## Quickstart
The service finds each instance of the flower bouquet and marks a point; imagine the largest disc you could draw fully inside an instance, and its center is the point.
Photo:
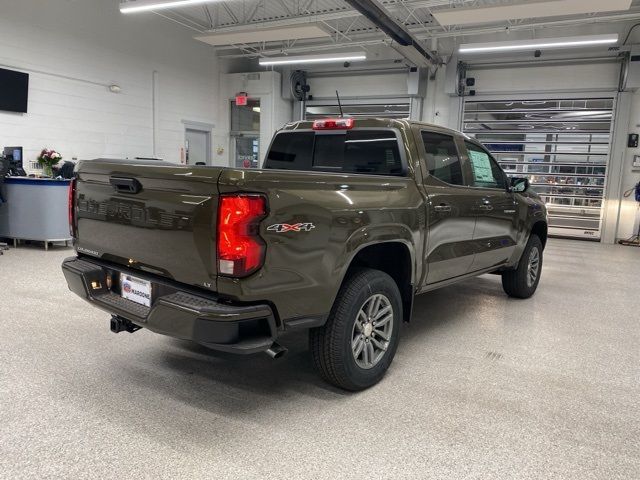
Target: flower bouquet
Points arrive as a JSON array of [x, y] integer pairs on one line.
[[47, 159]]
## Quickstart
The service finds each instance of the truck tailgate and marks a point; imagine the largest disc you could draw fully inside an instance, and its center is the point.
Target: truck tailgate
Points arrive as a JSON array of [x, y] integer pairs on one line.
[[159, 219]]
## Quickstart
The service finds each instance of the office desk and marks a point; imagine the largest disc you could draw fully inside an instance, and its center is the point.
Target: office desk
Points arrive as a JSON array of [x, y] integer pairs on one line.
[[35, 209]]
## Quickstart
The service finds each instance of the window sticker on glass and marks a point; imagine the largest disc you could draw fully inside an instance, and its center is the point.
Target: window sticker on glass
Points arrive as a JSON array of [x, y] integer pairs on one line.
[[481, 167]]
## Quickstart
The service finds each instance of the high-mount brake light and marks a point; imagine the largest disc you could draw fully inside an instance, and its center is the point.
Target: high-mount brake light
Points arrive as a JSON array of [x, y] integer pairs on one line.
[[333, 124], [240, 248], [71, 207]]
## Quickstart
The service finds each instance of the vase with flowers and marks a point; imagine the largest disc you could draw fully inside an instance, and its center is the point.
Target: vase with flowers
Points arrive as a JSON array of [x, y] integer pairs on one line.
[[47, 159]]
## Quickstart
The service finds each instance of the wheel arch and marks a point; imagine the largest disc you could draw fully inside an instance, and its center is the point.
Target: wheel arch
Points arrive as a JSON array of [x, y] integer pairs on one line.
[[541, 229], [396, 259]]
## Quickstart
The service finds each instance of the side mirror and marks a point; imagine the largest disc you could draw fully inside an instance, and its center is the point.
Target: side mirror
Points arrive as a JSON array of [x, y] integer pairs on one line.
[[519, 184]]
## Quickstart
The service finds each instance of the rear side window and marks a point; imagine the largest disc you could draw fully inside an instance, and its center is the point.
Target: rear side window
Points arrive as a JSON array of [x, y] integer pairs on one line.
[[441, 155], [486, 172], [373, 152]]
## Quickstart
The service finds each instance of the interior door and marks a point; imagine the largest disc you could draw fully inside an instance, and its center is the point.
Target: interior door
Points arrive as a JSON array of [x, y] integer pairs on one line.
[[197, 143], [495, 207], [451, 220]]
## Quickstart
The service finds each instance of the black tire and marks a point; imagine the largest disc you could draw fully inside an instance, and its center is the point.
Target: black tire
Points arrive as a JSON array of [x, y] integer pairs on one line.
[[331, 345], [518, 283]]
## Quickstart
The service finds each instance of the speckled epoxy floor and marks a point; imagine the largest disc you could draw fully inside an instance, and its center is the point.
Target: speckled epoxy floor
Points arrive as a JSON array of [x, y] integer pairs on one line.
[[482, 387]]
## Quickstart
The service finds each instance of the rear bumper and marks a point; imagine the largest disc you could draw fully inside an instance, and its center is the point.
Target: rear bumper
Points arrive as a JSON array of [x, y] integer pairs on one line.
[[175, 311]]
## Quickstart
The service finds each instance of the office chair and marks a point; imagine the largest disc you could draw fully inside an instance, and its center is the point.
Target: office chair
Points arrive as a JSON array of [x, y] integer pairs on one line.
[[66, 171]]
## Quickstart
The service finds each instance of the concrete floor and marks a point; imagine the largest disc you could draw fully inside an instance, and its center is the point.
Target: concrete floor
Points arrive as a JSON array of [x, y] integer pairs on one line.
[[482, 387]]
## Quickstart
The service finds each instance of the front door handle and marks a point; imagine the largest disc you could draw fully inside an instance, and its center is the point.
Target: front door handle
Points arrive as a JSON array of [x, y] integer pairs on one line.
[[443, 207], [485, 205]]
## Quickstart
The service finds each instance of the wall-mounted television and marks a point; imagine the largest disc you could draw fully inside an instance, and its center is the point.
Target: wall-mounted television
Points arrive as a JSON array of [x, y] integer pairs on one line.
[[14, 91]]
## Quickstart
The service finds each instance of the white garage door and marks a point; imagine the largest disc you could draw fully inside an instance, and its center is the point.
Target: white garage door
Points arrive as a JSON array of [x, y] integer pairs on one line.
[[561, 145], [383, 108]]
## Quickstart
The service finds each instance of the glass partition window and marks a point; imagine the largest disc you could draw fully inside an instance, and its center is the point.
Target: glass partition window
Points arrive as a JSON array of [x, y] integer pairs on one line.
[[245, 118], [247, 151], [245, 134]]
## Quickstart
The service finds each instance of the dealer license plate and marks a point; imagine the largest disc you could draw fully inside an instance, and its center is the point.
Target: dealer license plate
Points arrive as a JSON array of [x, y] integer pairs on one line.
[[136, 289]]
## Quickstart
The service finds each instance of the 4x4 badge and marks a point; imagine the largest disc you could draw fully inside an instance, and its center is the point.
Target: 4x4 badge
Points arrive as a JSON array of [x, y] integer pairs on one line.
[[296, 227]]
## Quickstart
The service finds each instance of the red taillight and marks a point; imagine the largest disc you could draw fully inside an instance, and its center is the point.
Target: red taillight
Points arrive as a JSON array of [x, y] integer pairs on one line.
[[333, 124], [240, 248], [71, 206]]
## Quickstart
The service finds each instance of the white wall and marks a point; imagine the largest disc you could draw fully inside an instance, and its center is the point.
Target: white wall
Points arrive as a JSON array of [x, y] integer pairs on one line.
[[629, 211], [73, 50], [440, 108]]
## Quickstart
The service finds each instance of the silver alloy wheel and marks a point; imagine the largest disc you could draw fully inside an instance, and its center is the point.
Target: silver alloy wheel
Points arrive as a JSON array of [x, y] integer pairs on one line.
[[533, 268], [372, 330]]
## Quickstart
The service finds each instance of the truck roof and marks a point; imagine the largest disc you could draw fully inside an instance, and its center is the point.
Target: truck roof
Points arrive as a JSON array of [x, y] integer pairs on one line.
[[378, 122]]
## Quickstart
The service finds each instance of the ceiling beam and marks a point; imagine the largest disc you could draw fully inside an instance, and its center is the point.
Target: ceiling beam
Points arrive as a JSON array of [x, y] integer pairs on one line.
[[405, 43]]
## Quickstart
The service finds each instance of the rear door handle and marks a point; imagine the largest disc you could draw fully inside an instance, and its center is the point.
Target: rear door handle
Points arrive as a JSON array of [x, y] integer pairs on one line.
[[125, 185], [485, 207], [443, 207]]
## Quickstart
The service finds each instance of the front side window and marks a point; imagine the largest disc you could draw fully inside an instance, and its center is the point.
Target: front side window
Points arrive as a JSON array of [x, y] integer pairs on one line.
[[441, 156], [486, 172]]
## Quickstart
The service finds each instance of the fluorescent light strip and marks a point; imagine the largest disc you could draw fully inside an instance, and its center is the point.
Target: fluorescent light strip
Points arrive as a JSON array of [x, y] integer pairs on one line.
[[141, 6], [540, 44], [309, 59]]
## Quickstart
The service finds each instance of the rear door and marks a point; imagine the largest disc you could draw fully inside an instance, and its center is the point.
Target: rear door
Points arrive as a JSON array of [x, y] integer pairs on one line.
[[451, 220], [495, 207]]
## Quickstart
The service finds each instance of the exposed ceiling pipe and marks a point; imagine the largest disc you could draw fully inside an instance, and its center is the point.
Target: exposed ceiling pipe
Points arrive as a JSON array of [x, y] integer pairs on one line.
[[407, 44]]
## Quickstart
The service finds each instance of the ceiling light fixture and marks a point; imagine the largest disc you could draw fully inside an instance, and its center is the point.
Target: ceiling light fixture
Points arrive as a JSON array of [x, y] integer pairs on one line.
[[326, 58], [539, 44], [147, 5]]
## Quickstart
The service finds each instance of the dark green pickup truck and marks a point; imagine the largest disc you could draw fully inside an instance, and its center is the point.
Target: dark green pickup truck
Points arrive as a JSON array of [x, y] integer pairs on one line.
[[345, 224]]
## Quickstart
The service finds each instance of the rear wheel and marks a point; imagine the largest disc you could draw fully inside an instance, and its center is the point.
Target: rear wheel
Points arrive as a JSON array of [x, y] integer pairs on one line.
[[354, 349], [523, 281]]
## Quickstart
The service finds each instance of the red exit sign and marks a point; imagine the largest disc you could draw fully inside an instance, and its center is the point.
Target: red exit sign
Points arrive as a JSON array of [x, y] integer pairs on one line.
[[241, 99]]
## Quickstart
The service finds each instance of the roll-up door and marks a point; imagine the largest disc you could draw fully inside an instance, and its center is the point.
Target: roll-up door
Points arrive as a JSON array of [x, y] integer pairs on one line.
[[381, 108], [561, 145]]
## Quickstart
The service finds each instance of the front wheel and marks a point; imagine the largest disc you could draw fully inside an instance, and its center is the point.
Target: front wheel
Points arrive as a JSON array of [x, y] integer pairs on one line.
[[523, 281], [354, 349]]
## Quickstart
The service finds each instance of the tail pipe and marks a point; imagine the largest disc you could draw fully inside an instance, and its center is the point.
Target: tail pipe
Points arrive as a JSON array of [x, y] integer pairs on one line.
[[276, 350]]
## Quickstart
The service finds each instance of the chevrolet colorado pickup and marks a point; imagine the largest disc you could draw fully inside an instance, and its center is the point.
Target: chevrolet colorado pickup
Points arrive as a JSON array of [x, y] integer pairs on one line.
[[346, 222]]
